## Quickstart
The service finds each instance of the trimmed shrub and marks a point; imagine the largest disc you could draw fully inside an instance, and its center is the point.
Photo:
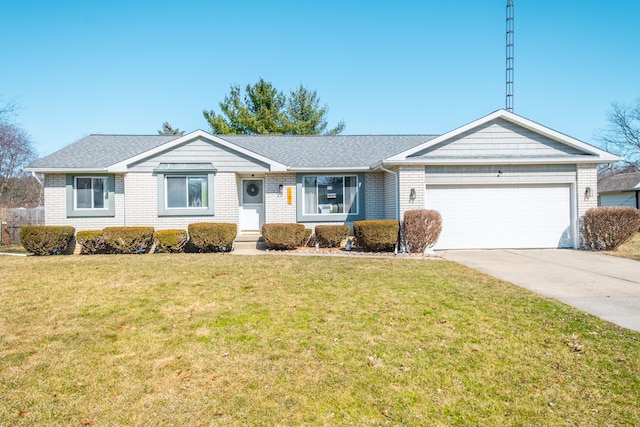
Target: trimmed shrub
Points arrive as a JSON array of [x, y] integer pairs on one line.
[[285, 236], [91, 242], [170, 241], [128, 240], [376, 235], [331, 235], [608, 227], [46, 240], [421, 229], [212, 236]]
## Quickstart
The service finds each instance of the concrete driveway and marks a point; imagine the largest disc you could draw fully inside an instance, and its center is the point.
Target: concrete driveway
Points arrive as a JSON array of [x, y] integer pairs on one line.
[[603, 285]]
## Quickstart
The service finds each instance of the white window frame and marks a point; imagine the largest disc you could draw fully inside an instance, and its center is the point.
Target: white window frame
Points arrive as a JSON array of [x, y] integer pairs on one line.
[[187, 177], [105, 193]]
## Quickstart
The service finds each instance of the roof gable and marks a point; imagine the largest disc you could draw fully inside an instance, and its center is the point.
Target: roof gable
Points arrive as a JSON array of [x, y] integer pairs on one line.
[[199, 134], [503, 136]]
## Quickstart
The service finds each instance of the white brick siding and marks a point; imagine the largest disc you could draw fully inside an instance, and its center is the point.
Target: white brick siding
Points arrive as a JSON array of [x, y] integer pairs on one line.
[[374, 195], [411, 177], [277, 210], [55, 213], [586, 176]]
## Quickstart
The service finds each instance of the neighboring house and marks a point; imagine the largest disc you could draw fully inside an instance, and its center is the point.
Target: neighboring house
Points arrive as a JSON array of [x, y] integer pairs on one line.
[[622, 189], [499, 182]]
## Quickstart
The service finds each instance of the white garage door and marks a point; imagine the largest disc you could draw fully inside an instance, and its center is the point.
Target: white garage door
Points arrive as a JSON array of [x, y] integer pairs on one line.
[[509, 216]]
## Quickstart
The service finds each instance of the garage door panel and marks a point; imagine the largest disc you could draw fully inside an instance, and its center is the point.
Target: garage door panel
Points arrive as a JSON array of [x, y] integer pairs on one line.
[[502, 216]]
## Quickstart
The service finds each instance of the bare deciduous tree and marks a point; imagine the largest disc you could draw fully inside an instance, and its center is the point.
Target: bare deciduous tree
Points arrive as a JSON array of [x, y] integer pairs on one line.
[[622, 137], [16, 152]]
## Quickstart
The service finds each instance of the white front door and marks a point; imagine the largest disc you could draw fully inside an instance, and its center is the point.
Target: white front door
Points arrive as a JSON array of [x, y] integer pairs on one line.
[[252, 205]]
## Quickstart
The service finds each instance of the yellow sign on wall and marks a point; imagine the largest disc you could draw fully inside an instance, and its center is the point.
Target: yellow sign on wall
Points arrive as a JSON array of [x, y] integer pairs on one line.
[[289, 195]]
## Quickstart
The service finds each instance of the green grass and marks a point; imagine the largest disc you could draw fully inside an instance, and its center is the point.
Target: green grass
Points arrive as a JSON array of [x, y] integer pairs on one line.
[[630, 249], [202, 339]]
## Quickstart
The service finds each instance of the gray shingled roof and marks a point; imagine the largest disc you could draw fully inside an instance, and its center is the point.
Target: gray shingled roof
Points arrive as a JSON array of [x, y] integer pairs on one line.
[[100, 151], [619, 182], [342, 151]]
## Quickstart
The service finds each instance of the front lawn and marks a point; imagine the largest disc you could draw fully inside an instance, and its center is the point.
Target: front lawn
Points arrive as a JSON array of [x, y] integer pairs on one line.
[[202, 339], [630, 250]]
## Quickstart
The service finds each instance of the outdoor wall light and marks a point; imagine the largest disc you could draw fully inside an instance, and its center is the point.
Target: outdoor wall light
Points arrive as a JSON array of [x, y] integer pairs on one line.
[[280, 189], [587, 192], [412, 194]]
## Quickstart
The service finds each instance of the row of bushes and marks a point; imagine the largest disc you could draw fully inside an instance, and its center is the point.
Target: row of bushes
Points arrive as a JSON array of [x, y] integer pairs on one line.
[[200, 237], [420, 230]]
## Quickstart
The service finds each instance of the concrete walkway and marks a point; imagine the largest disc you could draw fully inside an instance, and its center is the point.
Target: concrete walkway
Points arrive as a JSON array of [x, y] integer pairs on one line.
[[603, 285]]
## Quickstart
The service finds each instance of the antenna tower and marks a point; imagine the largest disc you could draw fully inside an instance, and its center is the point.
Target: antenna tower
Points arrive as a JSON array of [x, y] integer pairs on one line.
[[509, 101]]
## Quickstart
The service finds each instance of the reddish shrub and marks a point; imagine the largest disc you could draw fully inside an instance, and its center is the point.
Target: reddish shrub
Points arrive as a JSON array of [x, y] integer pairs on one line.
[[421, 229], [608, 227]]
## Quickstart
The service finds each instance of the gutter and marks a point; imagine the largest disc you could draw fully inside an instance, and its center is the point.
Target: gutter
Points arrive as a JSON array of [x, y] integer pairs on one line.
[[329, 169], [33, 174]]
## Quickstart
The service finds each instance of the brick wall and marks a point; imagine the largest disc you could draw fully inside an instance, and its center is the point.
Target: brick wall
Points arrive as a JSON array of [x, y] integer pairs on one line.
[[586, 176], [374, 195], [277, 208], [411, 177]]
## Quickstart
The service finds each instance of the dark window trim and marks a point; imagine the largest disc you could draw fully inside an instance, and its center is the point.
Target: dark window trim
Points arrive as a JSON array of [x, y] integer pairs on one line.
[[302, 217]]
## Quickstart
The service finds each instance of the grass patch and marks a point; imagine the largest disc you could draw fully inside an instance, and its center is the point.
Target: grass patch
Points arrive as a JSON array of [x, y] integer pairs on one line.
[[211, 339], [630, 250]]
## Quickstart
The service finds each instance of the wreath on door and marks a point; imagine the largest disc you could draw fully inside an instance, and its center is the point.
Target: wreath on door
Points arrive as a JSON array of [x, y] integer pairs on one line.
[[252, 190]]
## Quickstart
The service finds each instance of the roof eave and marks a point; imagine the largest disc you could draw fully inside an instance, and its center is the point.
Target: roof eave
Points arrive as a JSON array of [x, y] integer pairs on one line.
[[330, 169], [498, 160], [66, 170]]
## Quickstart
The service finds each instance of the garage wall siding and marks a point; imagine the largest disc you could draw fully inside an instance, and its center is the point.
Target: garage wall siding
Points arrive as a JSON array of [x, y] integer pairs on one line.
[[500, 174]]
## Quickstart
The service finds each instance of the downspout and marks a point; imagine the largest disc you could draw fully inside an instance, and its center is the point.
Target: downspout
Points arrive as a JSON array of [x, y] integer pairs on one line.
[[41, 196], [397, 180]]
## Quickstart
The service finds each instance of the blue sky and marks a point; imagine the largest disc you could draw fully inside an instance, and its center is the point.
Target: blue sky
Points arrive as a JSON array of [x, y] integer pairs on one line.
[[402, 67]]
